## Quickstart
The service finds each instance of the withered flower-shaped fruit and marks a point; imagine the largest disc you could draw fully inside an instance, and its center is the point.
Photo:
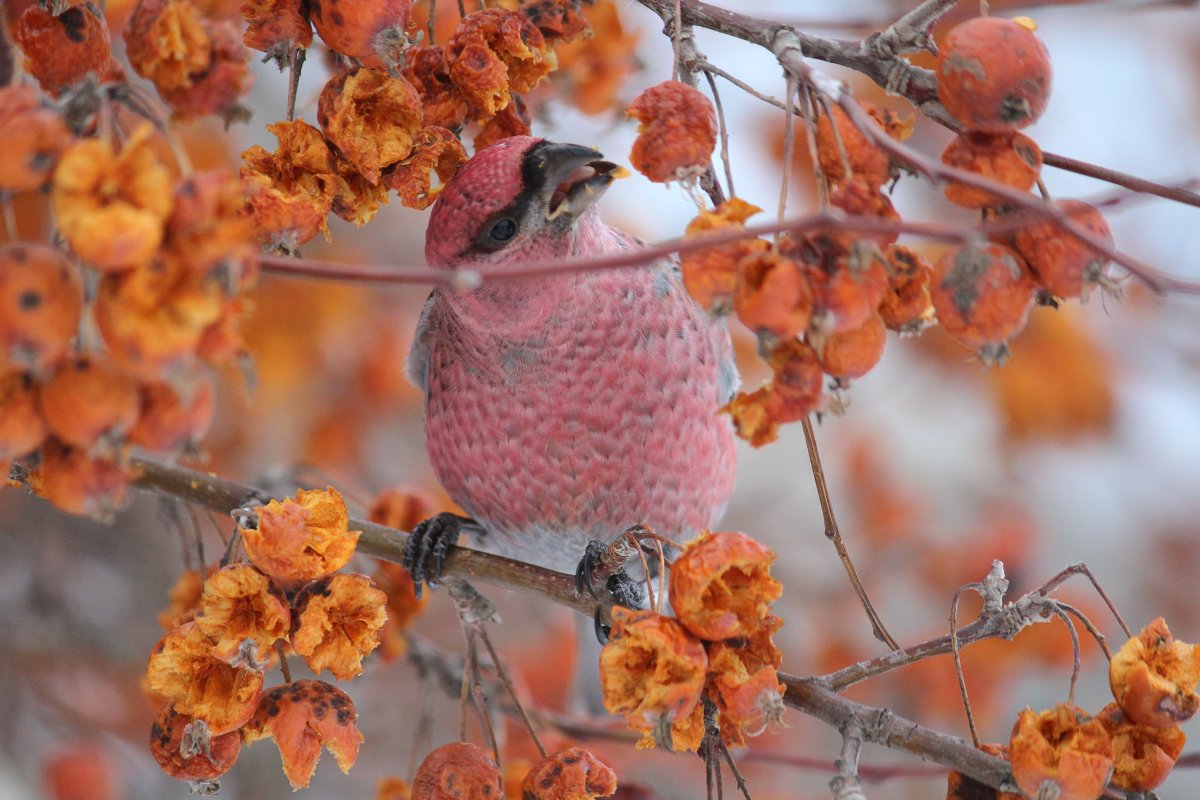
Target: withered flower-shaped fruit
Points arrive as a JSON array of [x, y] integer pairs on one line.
[[173, 418], [185, 750], [851, 354], [291, 191], [570, 774], [1153, 677], [1143, 756], [87, 399], [710, 275], [218, 88], [338, 620], [436, 151], [795, 392], [993, 74], [963, 787], [184, 670], [558, 20], [677, 132], [512, 120], [847, 291], [168, 43], [1062, 264], [747, 700], [275, 27], [652, 672], [982, 295], [369, 118], [1011, 158], [296, 541], [458, 770], [858, 197], [374, 32], [493, 53], [849, 146], [77, 483], [773, 295], [243, 615], [111, 206], [1063, 751], [595, 67], [442, 102], [721, 585], [60, 50], [34, 136], [906, 306], [207, 228], [41, 298], [183, 600], [357, 199], [21, 427], [301, 716]]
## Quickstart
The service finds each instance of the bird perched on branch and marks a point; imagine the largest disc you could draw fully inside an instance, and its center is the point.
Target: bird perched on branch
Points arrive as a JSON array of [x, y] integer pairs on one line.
[[564, 409]]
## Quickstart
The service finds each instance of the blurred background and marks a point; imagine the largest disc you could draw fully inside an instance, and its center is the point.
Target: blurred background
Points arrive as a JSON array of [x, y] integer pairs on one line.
[[1084, 448]]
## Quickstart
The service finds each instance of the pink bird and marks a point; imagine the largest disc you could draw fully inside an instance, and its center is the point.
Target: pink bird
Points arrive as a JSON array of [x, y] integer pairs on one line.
[[565, 409]]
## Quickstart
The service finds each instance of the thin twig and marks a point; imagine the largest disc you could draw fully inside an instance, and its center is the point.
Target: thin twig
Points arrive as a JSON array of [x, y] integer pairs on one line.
[[295, 65], [955, 650], [724, 132]]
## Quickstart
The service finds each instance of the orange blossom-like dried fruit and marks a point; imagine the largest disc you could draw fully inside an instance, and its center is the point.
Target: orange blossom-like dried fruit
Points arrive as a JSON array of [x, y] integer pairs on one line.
[[173, 418], [558, 20], [168, 43], [721, 585], [594, 68], [493, 53], [275, 27], [847, 291], [906, 306], [795, 392], [710, 275], [747, 701], [512, 120], [291, 191], [570, 774], [1062, 750], [184, 670], [1153, 677], [61, 49], [652, 672], [442, 102], [1062, 264], [296, 541], [111, 206], [373, 32], [183, 600], [22, 429], [677, 132], [982, 295], [207, 228], [773, 294], [78, 483], [1143, 756], [369, 118], [87, 399], [851, 354], [41, 298], [435, 151], [1011, 158], [34, 136], [186, 751], [964, 787], [227, 77], [301, 716], [858, 197], [458, 770], [243, 615], [993, 74], [338, 620], [356, 199], [865, 158]]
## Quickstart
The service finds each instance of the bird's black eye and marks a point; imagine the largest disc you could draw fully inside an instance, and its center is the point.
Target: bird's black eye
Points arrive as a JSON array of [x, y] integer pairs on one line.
[[502, 230]]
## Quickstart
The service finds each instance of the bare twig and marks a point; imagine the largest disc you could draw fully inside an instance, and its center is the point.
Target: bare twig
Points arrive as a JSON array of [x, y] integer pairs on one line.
[[956, 650], [846, 784]]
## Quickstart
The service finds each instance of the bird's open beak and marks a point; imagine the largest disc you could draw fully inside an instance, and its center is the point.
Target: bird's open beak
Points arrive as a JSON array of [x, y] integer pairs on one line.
[[575, 178]]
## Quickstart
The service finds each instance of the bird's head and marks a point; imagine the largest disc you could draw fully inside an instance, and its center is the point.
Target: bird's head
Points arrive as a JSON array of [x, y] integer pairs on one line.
[[519, 199]]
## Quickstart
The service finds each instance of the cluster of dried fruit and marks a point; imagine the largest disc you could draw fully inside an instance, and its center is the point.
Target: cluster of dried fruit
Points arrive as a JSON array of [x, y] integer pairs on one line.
[[461, 769], [657, 670], [1132, 744], [227, 628]]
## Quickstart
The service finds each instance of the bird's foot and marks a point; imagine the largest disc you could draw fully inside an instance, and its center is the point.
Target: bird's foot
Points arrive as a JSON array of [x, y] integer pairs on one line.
[[428, 544], [607, 562]]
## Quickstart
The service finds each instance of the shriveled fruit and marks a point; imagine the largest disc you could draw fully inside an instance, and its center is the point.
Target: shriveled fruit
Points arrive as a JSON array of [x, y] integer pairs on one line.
[[373, 31], [1062, 264], [851, 354], [1011, 158], [60, 50], [41, 297], [677, 131], [88, 399], [982, 295], [34, 136], [458, 769], [993, 74]]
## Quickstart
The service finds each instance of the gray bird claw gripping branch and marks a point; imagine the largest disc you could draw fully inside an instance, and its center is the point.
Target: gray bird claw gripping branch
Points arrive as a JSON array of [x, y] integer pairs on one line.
[[620, 587], [428, 544]]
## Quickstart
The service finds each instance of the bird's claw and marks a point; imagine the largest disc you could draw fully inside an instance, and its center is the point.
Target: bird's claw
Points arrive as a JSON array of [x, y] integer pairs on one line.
[[621, 589], [428, 544], [593, 557]]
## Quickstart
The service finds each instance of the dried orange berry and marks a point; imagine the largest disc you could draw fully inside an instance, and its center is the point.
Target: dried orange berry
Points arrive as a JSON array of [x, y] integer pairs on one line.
[[41, 298], [993, 74], [436, 151], [185, 750], [392, 788], [858, 197], [982, 295], [111, 206], [301, 716], [183, 669], [851, 354], [374, 32], [1063, 752], [60, 50], [570, 774], [21, 427], [207, 228], [677, 132], [78, 483], [1143, 756], [89, 399], [34, 136], [441, 101], [773, 295], [748, 701], [1009, 157], [173, 419], [168, 43], [458, 770], [300, 540], [795, 392], [721, 585], [217, 89], [338, 620], [711, 275], [369, 118], [1062, 264], [512, 120], [243, 615], [558, 20], [652, 672], [848, 291], [493, 53], [864, 158], [357, 199], [906, 306], [276, 27], [184, 600], [291, 191], [964, 787], [1153, 677], [594, 68]]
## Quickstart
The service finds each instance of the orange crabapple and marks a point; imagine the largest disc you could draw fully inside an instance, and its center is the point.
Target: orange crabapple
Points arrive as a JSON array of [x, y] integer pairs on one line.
[[458, 770], [1009, 157], [22, 429], [372, 31], [982, 294], [1062, 264], [851, 354], [34, 135], [864, 158], [61, 49], [41, 299], [87, 400]]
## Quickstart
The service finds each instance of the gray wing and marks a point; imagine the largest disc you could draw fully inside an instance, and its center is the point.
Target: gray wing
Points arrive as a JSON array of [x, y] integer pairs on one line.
[[418, 356]]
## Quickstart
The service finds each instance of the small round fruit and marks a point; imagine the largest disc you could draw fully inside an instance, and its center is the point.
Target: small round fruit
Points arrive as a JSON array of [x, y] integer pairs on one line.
[[88, 399], [993, 74], [982, 294], [61, 49], [1009, 158], [373, 31], [1061, 264], [41, 297], [852, 354]]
